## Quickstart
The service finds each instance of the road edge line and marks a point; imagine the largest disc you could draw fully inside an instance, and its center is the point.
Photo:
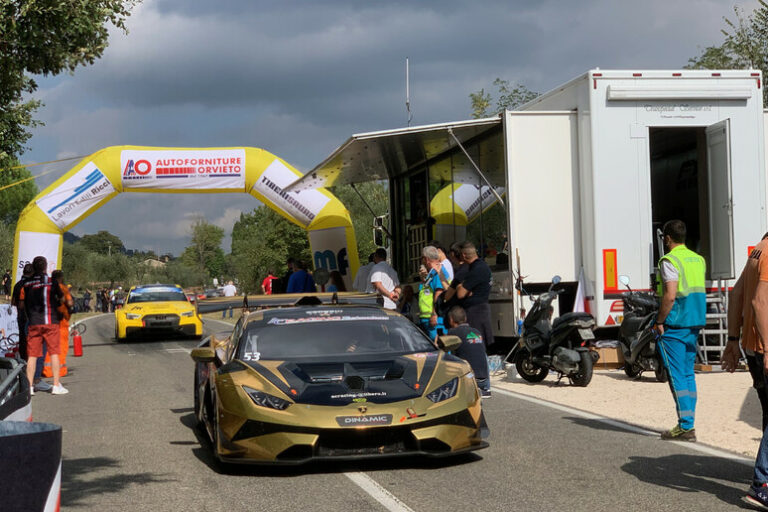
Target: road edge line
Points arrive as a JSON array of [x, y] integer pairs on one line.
[[636, 429], [377, 492]]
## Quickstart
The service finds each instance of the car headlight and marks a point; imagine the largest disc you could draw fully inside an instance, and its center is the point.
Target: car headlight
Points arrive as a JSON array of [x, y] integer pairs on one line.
[[444, 392], [188, 313], [132, 316], [266, 400]]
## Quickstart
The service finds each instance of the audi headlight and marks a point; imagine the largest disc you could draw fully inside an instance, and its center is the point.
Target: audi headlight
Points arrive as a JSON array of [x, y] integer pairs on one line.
[[132, 316], [444, 392], [188, 313], [266, 400]]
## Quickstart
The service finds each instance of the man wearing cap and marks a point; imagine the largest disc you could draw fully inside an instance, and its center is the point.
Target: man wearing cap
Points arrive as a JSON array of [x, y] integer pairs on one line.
[[681, 315]]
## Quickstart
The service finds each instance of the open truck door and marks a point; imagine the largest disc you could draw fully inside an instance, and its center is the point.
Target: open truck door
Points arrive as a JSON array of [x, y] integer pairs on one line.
[[720, 200]]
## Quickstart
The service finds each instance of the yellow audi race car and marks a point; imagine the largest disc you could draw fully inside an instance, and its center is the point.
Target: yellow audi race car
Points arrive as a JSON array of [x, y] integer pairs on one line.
[[157, 308], [335, 381]]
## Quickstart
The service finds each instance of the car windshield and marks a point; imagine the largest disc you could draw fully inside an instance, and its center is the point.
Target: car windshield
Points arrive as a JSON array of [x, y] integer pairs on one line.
[[330, 334], [157, 294]]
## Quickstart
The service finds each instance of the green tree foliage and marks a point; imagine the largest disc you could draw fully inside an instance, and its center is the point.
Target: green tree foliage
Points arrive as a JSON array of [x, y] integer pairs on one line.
[[507, 97], [102, 242], [745, 44], [376, 194], [264, 240], [204, 254], [6, 245], [15, 198], [46, 37]]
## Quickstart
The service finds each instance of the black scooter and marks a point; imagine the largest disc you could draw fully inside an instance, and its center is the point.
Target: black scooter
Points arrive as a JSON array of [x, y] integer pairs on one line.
[[559, 346], [636, 335]]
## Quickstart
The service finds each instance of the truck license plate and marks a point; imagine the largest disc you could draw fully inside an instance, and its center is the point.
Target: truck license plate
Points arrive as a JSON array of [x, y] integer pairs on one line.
[[586, 334]]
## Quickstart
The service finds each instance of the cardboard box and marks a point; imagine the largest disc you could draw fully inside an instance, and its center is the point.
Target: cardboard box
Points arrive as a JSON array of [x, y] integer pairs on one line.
[[609, 358]]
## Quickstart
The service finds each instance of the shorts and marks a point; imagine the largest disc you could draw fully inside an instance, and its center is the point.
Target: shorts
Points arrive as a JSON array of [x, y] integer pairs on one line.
[[39, 334]]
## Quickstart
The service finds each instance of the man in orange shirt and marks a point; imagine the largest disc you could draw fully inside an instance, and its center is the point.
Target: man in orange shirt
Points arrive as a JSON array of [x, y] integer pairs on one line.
[[748, 319]]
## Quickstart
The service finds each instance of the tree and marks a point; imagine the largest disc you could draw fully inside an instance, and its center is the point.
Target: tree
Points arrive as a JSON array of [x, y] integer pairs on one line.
[[204, 252], [14, 199], [745, 44], [102, 242], [264, 240], [46, 37], [6, 246], [509, 97]]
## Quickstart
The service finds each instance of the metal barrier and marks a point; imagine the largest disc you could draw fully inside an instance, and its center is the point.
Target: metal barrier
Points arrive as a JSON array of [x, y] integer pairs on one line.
[[14, 390]]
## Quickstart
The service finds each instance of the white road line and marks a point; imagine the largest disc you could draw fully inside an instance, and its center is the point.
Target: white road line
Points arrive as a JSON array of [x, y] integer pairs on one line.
[[628, 427], [231, 326], [379, 493], [184, 350]]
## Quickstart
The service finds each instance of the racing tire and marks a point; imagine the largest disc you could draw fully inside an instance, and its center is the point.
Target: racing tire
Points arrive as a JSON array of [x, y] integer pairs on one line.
[[584, 374], [661, 371], [632, 371], [527, 369]]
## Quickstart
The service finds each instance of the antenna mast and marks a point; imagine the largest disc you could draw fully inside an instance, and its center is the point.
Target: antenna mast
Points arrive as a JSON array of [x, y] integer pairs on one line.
[[408, 92]]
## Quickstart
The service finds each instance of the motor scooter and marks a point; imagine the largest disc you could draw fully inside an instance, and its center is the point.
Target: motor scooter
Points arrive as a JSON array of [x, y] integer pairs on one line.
[[560, 345], [636, 334]]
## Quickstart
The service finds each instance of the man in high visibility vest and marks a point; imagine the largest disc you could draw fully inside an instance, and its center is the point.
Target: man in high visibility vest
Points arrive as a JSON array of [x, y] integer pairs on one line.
[[681, 315]]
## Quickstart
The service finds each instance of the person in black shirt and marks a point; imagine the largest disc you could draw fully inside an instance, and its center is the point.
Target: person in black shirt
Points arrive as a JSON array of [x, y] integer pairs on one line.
[[472, 349], [21, 314], [281, 285], [474, 290]]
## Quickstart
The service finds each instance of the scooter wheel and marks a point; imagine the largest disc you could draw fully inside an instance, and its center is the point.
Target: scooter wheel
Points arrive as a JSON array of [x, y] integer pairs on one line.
[[632, 371], [527, 369], [584, 375]]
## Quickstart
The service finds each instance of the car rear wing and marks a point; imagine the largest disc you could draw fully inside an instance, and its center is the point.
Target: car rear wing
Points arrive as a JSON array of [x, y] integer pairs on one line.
[[256, 302]]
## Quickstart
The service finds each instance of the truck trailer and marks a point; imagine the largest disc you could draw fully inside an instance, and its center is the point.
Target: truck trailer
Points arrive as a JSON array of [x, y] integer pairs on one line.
[[577, 183]]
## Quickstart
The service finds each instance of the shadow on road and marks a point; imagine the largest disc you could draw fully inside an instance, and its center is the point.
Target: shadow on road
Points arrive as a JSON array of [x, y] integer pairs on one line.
[[204, 453], [727, 480], [77, 483], [598, 425]]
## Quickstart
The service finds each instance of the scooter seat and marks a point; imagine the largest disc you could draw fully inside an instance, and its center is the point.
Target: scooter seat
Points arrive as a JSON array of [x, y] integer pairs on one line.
[[584, 320]]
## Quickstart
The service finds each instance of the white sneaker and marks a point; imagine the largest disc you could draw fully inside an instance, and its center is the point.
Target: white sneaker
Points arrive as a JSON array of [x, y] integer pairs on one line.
[[31, 391], [59, 390]]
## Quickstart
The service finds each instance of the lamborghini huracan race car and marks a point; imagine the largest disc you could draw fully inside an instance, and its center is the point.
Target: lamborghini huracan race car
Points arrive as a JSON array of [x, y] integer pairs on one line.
[[295, 384], [157, 308]]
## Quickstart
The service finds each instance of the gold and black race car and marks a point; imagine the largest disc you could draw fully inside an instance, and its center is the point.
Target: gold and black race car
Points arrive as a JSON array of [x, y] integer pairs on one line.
[[294, 384]]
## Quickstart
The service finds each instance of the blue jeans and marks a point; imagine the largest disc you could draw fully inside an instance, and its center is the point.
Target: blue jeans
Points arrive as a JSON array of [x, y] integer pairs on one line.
[[224, 313], [760, 476], [678, 351]]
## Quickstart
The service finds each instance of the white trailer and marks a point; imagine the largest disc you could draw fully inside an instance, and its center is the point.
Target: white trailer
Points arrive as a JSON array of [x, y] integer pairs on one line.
[[589, 172]]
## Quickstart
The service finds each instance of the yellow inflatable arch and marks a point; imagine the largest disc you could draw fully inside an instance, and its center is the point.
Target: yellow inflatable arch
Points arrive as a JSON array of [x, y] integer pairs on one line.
[[457, 205], [111, 171]]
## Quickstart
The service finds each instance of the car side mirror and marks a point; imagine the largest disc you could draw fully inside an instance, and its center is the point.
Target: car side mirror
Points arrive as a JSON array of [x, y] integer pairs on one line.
[[448, 342], [203, 354]]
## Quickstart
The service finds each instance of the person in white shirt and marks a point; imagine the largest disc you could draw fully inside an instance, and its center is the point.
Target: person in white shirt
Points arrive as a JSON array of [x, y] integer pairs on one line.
[[447, 272], [384, 279], [361, 281], [229, 289]]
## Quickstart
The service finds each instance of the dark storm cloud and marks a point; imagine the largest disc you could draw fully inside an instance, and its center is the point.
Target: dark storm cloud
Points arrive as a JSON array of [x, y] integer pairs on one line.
[[297, 78]]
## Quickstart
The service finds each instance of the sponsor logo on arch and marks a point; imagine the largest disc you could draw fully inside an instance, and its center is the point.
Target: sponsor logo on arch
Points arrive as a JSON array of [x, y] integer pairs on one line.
[[69, 201], [182, 169]]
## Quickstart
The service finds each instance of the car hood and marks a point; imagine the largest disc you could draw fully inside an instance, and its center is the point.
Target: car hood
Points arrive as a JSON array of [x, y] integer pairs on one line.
[[384, 380], [146, 308]]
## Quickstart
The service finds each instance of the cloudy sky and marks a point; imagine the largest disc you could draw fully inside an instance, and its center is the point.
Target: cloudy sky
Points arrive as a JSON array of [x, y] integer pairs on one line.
[[298, 78]]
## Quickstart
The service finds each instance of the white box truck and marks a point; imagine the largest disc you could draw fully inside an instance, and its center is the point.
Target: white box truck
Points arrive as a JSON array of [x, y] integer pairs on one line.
[[587, 174]]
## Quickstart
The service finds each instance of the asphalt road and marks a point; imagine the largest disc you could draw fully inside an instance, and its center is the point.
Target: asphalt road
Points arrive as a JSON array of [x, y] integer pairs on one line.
[[129, 444]]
